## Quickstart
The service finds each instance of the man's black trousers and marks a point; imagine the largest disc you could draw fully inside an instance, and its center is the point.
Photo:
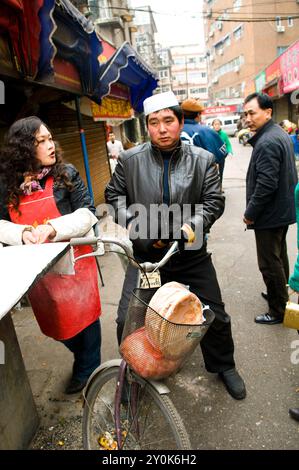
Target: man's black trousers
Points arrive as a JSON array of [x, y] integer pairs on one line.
[[273, 263]]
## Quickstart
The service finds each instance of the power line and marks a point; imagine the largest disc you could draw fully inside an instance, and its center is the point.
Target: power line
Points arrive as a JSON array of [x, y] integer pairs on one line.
[[254, 4], [203, 15]]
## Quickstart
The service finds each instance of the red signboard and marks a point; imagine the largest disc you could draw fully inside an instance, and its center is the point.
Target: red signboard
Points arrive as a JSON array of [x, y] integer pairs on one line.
[[66, 75], [273, 70], [219, 110], [289, 63]]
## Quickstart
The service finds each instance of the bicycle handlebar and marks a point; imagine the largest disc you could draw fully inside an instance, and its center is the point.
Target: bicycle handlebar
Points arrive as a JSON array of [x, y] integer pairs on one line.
[[126, 246]]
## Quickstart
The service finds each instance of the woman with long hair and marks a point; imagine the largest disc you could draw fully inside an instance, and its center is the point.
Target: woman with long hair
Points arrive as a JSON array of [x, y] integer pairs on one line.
[[44, 200]]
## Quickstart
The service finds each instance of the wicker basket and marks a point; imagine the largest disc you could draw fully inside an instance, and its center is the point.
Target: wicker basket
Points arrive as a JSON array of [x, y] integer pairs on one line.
[[157, 359]]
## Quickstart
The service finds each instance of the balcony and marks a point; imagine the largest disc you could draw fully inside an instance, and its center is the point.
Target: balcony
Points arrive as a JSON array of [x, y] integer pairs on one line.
[[113, 22]]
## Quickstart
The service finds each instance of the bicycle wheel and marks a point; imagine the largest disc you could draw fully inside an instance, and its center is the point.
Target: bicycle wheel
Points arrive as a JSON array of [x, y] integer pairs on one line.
[[154, 425]]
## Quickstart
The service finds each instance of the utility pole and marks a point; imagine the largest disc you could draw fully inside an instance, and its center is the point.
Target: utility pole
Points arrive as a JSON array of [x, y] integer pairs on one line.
[[186, 71]]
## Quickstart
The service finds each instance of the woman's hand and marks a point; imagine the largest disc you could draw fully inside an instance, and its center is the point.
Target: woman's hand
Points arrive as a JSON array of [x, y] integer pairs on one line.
[[45, 232], [30, 236], [38, 235]]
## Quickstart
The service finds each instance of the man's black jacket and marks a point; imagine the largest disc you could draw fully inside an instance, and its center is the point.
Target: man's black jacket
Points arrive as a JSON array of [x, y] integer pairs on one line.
[[193, 180], [271, 179]]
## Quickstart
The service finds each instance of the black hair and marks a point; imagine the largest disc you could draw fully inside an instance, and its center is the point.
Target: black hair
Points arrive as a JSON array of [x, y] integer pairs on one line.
[[219, 120], [190, 114], [177, 111], [263, 100], [18, 156]]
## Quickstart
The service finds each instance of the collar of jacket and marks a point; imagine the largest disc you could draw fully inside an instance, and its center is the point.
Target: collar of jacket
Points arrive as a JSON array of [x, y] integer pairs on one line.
[[253, 140], [177, 152], [190, 121]]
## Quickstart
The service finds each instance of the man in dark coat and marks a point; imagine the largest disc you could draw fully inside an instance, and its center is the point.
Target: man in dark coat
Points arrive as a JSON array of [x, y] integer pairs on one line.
[[166, 170], [270, 184]]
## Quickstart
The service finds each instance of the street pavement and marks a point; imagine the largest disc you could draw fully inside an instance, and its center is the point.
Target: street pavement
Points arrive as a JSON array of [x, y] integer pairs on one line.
[[213, 419]]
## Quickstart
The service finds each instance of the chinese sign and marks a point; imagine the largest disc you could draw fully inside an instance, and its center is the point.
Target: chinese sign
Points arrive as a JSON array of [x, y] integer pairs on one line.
[[219, 110], [289, 63], [112, 108], [273, 70]]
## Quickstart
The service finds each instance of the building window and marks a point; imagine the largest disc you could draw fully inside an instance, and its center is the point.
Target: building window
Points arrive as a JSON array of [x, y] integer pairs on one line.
[[198, 90], [238, 33], [278, 21], [281, 49], [180, 92], [290, 22], [100, 9], [226, 41], [163, 74], [179, 61]]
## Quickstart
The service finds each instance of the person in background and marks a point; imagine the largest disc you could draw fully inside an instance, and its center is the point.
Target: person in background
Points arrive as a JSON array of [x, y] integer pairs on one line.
[[44, 200], [295, 140], [115, 147], [216, 124], [294, 281], [202, 136], [175, 173], [270, 206]]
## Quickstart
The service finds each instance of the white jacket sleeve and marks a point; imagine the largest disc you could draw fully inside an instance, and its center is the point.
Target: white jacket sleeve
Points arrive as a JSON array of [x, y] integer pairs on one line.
[[76, 224], [10, 233]]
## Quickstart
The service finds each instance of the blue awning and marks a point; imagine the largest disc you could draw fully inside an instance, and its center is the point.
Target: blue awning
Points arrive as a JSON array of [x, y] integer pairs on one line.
[[127, 66]]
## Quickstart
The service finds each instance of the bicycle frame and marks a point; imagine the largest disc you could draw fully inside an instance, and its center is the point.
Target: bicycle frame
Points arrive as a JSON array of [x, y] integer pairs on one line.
[[160, 387]]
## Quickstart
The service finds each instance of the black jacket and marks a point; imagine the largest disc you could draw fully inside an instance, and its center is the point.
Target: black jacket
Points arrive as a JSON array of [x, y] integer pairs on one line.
[[193, 180], [67, 201], [271, 179]]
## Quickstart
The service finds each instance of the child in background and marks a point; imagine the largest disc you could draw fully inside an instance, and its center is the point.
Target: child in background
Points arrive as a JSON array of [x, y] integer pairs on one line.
[[216, 124]]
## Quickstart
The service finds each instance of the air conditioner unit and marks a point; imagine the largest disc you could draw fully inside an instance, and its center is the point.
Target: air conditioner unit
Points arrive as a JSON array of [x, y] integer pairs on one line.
[[212, 58], [215, 80], [211, 33], [209, 12], [220, 51], [280, 29], [219, 25], [237, 69]]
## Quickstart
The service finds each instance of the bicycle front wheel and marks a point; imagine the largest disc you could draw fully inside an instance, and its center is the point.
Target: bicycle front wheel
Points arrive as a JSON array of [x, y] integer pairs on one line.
[[154, 424]]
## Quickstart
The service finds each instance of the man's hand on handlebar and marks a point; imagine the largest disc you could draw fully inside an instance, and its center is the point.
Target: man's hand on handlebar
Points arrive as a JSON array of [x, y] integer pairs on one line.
[[184, 235]]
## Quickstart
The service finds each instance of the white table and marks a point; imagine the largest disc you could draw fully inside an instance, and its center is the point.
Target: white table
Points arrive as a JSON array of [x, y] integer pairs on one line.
[[20, 267]]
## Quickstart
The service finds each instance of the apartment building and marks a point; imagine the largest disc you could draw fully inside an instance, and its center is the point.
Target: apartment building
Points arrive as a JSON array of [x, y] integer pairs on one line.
[[242, 37], [113, 18], [144, 37], [189, 72], [164, 68]]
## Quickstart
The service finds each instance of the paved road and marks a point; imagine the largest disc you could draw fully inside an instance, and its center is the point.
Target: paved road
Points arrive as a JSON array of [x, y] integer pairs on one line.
[[214, 420]]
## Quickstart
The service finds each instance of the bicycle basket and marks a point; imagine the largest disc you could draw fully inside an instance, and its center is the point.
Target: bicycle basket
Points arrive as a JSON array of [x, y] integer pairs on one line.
[[161, 354]]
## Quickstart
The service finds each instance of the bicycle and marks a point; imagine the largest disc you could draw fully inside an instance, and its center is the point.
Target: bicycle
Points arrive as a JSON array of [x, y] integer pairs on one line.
[[123, 410]]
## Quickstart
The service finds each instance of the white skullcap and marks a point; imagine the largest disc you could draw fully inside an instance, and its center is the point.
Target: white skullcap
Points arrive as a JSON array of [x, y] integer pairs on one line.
[[160, 101]]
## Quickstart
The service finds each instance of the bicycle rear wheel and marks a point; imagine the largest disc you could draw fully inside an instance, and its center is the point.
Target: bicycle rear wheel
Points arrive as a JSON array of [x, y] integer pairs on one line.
[[155, 423]]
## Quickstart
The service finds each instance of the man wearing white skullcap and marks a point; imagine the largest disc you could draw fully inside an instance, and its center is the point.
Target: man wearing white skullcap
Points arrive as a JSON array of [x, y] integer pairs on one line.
[[168, 173]]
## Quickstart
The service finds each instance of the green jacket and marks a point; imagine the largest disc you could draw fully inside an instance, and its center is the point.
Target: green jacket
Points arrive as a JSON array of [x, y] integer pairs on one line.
[[224, 137], [294, 279]]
